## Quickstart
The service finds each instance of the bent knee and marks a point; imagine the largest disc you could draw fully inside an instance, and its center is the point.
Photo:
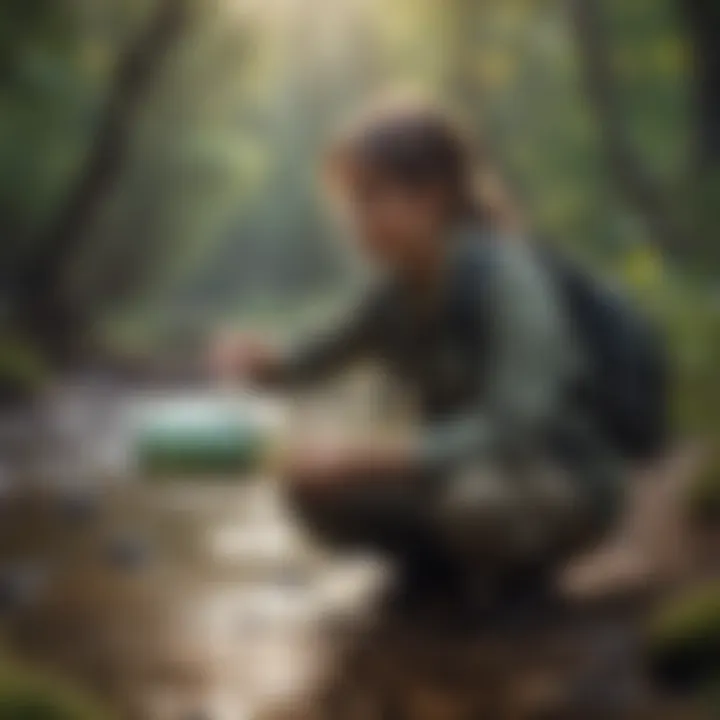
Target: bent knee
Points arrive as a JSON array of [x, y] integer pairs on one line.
[[327, 513]]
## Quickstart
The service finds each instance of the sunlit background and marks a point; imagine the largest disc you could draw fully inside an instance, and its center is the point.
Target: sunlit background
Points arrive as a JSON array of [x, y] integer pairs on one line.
[[211, 211], [158, 181]]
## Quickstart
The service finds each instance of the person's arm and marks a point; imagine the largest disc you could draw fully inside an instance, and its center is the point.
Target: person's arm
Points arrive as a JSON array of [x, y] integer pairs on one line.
[[531, 356], [330, 350]]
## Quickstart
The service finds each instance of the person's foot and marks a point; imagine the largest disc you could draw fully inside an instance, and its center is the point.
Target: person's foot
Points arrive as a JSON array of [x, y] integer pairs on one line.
[[522, 593], [423, 584]]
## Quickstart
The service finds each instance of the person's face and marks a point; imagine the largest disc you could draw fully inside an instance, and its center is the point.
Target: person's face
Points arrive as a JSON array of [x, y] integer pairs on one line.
[[398, 226]]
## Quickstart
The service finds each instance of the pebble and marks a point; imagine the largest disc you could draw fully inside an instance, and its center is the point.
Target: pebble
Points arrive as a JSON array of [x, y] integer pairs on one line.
[[128, 552], [21, 586], [79, 507]]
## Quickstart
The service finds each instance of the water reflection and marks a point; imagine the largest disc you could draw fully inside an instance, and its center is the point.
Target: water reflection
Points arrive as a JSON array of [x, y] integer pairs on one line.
[[192, 597]]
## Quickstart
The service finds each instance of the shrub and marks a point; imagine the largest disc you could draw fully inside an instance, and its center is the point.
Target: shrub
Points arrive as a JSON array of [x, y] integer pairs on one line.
[[28, 695], [22, 370], [704, 493], [684, 641]]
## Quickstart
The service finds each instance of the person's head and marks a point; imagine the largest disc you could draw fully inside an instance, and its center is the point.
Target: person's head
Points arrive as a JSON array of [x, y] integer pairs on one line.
[[406, 173]]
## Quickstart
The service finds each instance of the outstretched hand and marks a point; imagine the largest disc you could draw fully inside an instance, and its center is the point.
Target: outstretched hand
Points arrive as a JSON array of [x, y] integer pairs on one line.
[[329, 463], [245, 357]]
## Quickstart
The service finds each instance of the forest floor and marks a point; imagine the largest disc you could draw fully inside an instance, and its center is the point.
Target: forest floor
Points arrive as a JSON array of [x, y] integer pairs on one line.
[[196, 600]]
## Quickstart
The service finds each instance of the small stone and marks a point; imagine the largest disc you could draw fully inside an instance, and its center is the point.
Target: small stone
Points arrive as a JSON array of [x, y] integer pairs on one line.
[[79, 507], [292, 577], [128, 552], [21, 586]]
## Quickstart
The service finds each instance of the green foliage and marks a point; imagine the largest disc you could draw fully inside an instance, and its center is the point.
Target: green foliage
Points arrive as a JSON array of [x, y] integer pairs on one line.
[[692, 319], [683, 640], [704, 493], [22, 370], [28, 695], [45, 95], [216, 215]]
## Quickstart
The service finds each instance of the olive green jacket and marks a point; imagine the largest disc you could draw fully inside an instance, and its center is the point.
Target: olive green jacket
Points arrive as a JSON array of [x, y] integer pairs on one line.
[[491, 367]]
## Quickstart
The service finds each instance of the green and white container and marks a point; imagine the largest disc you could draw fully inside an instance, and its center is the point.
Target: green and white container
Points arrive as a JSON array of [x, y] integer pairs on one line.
[[203, 435]]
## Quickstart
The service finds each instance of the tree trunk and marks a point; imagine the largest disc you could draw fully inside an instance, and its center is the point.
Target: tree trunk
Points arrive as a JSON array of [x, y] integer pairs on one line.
[[703, 23], [45, 309]]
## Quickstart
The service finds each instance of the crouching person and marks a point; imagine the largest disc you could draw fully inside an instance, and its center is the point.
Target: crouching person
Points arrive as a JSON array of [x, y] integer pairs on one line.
[[511, 473]]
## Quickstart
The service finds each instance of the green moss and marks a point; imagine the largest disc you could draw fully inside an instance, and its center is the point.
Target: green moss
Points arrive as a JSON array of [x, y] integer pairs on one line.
[[28, 695], [704, 493], [693, 329], [22, 370], [683, 641]]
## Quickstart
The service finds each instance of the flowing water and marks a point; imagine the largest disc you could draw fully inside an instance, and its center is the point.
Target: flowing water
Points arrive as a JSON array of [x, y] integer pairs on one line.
[[200, 598], [185, 598]]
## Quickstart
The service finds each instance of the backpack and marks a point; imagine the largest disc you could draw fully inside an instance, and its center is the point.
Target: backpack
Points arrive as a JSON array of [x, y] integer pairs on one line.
[[626, 390]]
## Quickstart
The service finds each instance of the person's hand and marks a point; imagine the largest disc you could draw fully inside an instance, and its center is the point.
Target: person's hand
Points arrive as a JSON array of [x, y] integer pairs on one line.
[[244, 357], [328, 463]]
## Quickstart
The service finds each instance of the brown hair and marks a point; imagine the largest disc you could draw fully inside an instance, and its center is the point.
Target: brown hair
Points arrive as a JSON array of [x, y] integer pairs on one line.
[[417, 144]]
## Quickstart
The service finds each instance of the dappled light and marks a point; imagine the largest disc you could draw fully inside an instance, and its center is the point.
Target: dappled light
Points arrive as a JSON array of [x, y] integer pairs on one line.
[[359, 359]]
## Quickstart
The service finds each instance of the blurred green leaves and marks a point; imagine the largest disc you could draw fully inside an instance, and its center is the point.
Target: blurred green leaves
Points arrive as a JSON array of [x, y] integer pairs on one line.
[[28, 695], [215, 214]]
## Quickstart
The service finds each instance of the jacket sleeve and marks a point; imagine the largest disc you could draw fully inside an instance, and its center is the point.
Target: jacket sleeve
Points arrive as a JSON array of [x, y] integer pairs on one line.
[[331, 349], [530, 358]]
